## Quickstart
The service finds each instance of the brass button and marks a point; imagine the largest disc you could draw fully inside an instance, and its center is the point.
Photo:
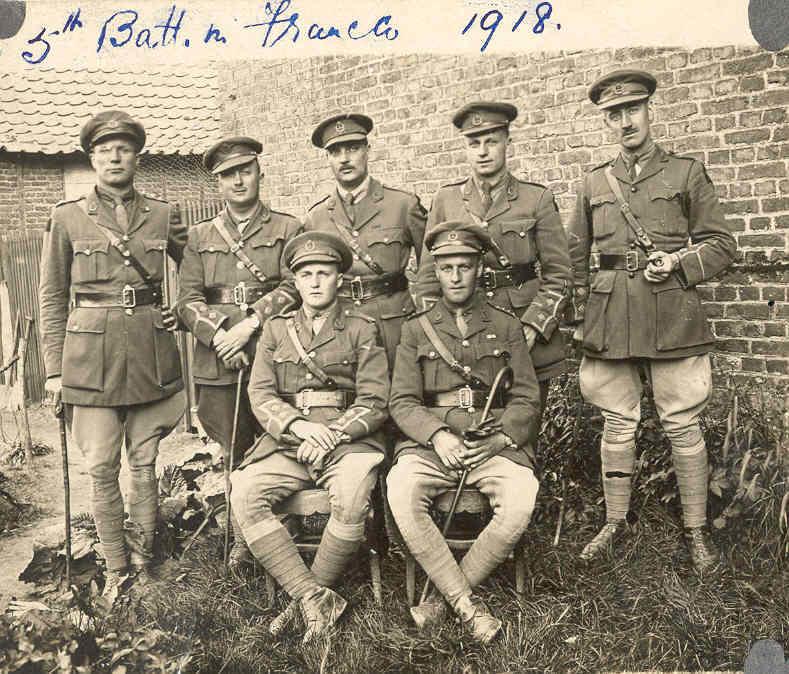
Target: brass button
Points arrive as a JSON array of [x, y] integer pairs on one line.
[[466, 368], [634, 189], [521, 234], [489, 293], [126, 262], [464, 342], [308, 375], [129, 312], [432, 354], [496, 352], [355, 233], [125, 237], [312, 354], [355, 256], [239, 265]]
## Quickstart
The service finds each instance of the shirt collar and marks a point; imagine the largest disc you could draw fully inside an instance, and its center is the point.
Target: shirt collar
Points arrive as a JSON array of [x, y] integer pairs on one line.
[[357, 193], [495, 187], [111, 198], [312, 314], [641, 157]]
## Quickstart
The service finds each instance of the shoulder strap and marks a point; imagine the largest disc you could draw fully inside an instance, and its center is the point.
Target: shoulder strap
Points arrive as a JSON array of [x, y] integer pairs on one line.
[[236, 247], [309, 363], [117, 243], [354, 245], [642, 238], [502, 258], [446, 354]]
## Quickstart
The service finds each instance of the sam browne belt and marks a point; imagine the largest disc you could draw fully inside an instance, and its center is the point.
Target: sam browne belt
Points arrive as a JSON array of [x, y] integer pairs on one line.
[[127, 298], [511, 276], [365, 288], [464, 397]]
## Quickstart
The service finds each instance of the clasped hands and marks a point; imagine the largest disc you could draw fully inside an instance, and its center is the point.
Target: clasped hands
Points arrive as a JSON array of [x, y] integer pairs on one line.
[[317, 441], [458, 454], [228, 343]]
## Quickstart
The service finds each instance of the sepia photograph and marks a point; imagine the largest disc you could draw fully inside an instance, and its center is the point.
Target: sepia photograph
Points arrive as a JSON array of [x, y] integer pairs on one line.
[[447, 337]]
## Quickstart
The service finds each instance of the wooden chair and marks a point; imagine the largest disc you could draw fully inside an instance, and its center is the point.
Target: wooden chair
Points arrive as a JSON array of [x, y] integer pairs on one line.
[[306, 514], [472, 503]]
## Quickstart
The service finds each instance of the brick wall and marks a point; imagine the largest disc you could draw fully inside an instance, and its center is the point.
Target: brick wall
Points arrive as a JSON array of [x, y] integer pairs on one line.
[[726, 106], [31, 184]]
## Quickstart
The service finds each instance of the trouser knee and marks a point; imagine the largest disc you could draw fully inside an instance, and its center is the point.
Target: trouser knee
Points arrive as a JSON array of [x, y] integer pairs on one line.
[[617, 431], [685, 436], [249, 500]]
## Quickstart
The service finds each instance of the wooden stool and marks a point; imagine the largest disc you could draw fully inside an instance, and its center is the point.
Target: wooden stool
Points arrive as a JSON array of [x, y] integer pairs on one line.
[[472, 502], [315, 502]]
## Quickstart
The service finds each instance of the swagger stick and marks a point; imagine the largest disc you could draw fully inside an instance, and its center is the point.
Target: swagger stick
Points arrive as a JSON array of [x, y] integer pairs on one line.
[[503, 378], [60, 413], [229, 466]]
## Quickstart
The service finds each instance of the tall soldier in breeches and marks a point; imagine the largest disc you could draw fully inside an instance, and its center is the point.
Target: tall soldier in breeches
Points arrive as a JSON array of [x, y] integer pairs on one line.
[[319, 388], [647, 229], [107, 341], [232, 280]]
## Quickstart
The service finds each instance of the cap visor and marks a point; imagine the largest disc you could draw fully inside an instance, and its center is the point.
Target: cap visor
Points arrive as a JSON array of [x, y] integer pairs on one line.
[[455, 249], [114, 133], [482, 128], [233, 162], [622, 100], [347, 138], [314, 258]]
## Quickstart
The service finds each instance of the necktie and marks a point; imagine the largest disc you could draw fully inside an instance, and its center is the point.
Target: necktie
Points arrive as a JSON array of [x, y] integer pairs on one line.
[[487, 199], [460, 321], [350, 202], [633, 170], [121, 216]]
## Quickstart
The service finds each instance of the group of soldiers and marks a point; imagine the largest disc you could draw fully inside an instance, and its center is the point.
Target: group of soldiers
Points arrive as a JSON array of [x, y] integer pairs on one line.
[[348, 370]]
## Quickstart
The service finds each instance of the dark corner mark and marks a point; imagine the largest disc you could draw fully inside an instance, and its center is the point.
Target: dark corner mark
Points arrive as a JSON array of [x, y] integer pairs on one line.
[[12, 16], [769, 22], [766, 657]]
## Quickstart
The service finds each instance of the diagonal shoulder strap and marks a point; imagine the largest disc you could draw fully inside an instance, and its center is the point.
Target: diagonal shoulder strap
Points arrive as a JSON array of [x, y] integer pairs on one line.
[[446, 355], [117, 243], [502, 258], [642, 238], [236, 247], [309, 363], [354, 245]]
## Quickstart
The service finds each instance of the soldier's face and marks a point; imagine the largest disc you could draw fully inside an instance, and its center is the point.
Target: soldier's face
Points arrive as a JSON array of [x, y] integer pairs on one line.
[[630, 124], [115, 162], [458, 275], [317, 284], [348, 162], [240, 185], [487, 152]]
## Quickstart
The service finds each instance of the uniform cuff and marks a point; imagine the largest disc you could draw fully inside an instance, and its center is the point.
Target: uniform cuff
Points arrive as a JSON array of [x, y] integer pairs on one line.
[[578, 304]]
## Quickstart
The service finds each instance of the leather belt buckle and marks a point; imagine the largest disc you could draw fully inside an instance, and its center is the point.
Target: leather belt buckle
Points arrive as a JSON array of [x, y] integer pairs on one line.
[[128, 297], [357, 288], [489, 279], [240, 295], [465, 398], [631, 260], [594, 261], [301, 401]]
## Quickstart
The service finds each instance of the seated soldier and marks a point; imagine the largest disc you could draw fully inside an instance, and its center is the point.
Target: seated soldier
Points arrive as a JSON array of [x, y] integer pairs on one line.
[[319, 387], [447, 359]]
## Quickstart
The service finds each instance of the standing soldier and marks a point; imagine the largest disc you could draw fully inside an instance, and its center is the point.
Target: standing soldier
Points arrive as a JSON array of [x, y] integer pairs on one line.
[[648, 228], [232, 280], [108, 347], [523, 222], [379, 224], [446, 363], [319, 387]]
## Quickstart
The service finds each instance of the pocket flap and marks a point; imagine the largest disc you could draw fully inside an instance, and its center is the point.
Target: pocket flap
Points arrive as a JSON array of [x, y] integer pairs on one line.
[[604, 281], [663, 192], [87, 319], [90, 246], [522, 225], [154, 244], [608, 198], [285, 353], [490, 349], [427, 351], [387, 236], [213, 247], [338, 357], [268, 241]]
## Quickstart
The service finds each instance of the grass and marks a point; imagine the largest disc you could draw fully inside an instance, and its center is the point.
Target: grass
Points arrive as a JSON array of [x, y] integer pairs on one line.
[[642, 608]]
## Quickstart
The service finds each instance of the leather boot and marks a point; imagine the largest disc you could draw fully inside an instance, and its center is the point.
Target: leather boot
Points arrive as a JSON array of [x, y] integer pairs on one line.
[[320, 611], [285, 620], [432, 611], [477, 618], [606, 537], [703, 552]]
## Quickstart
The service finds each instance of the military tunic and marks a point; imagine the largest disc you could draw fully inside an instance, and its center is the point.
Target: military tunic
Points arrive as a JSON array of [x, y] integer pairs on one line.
[[494, 339], [346, 348], [387, 224], [524, 221], [108, 356], [624, 315], [209, 263]]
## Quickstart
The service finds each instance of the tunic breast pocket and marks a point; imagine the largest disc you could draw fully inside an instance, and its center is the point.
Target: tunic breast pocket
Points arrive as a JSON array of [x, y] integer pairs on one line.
[[605, 215], [665, 204], [428, 360], [266, 253], [288, 369], [490, 357], [517, 239], [339, 364], [91, 260], [386, 245], [155, 249], [211, 254]]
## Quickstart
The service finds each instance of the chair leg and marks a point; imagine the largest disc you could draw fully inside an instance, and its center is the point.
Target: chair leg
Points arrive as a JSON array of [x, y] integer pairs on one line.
[[375, 575], [410, 578], [520, 569], [271, 589]]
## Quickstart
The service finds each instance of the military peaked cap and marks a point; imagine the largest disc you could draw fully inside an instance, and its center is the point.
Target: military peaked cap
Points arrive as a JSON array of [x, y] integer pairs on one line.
[[483, 116], [622, 86], [317, 246], [342, 128], [455, 237], [231, 152], [108, 124]]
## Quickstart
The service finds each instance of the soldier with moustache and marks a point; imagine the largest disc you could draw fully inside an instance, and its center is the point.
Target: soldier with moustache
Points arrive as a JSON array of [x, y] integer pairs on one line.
[[527, 269], [107, 339], [447, 361], [319, 388], [232, 280], [647, 229]]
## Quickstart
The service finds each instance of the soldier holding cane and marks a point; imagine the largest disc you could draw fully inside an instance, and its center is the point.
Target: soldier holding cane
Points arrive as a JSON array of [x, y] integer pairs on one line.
[[108, 348]]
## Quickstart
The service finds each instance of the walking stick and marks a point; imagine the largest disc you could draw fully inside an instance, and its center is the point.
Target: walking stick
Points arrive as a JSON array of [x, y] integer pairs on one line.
[[229, 465], [504, 379], [60, 413]]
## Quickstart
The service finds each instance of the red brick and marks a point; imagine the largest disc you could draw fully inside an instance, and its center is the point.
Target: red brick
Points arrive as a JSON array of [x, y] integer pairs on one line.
[[719, 157], [777, 293], [773, 205], [759, 223], [701, 74], [755, 83], [772, 170], [753, 365], [775, 116], [770, 348], [749, 310], [733, 345], [749, 293], [754, 64], [775, 329], [724, 105], [750, 136], [778, 366]]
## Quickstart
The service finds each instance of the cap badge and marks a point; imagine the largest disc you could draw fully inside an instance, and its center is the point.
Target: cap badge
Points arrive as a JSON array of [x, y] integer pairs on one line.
[[309, 244], [113, 123], [619, 88], [476, 119], [340, 127], [453, 236]]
